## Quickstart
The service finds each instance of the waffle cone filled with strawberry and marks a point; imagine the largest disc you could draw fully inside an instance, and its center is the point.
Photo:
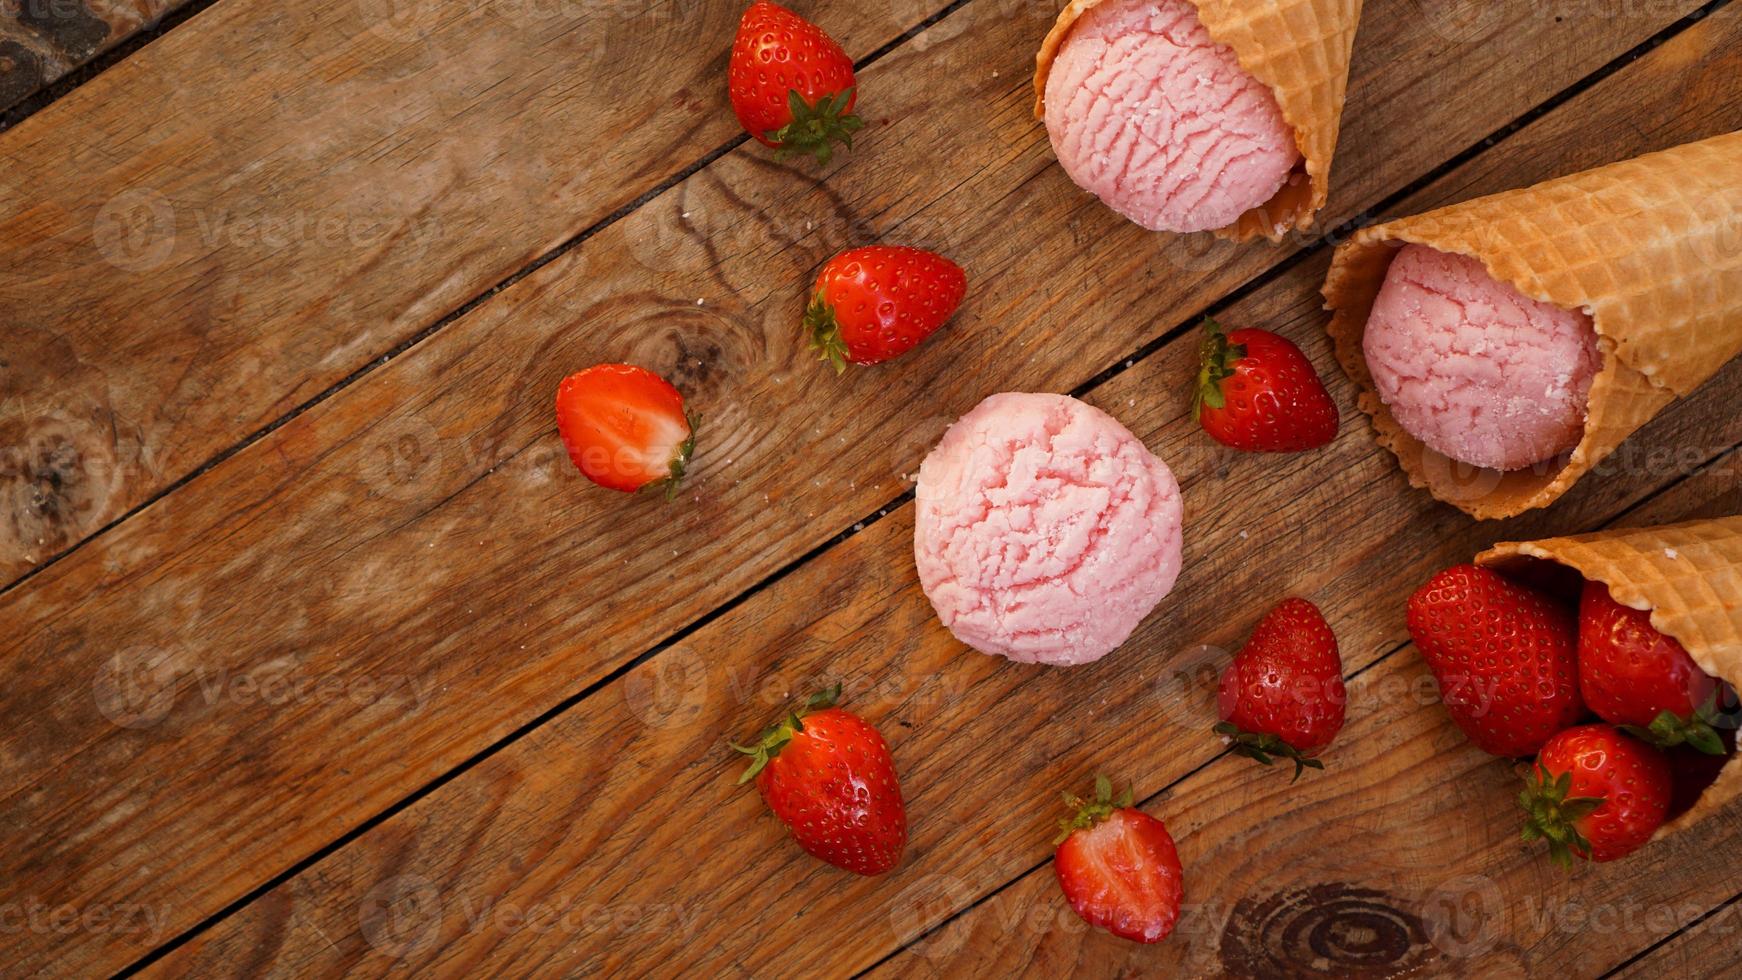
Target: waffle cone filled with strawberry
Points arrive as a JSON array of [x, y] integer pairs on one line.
[[1688, 579], [1562, 317]]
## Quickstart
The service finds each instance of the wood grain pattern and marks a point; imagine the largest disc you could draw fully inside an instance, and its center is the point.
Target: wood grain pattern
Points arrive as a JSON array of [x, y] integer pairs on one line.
[[1707, 951], [195, 250], [337, 614], [542, 858], [42, 40]]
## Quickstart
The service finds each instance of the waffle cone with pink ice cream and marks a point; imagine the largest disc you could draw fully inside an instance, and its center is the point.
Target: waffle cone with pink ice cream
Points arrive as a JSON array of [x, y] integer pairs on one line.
[[1507, 345], [1199, 115], [1044, 530]]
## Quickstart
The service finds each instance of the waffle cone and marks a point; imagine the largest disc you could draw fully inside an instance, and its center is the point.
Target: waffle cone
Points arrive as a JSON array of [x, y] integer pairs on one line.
[[1300, 49], [1690, 577], [1651, 248]]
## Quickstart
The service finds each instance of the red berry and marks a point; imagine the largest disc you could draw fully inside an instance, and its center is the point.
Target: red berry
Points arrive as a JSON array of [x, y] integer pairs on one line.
[[880, 301], [1504, 655], [791, 85], [828, 776], [624, 427], [1630, 674], [1257, 392], [1283, 693], [1596, 794]]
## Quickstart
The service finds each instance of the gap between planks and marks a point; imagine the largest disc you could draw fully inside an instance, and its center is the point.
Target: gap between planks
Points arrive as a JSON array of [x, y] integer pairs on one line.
[[99, 63], [1256, 283]]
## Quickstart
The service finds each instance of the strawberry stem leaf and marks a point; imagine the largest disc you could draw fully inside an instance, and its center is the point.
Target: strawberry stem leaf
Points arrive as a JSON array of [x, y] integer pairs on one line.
[[1089, 812], [816, 127], [1216, 362], [824, 332], [775, 737], [1697, 731], [1550, 815], [1261, 746]]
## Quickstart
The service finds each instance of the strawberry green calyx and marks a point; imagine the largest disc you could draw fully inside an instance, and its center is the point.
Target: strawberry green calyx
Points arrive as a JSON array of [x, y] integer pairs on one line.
[[781, 732], [824, 332], [1697, 731], [1262, 747], [815, 128], [1216, 358], [1550, 815], [1088, 813]]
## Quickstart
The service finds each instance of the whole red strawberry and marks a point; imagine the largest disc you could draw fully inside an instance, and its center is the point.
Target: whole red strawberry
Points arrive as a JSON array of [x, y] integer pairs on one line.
[[1504, 655], [625, 427], [1595, 793], [1632, 675], [1257, 392], [828, 776], [1118, 867], [1283, 693], [791, 84], [880, 301]]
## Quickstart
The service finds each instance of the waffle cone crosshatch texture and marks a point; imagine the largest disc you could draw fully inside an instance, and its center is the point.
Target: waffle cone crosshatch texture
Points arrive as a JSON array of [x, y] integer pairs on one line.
[[1651, 248], [839, 489]]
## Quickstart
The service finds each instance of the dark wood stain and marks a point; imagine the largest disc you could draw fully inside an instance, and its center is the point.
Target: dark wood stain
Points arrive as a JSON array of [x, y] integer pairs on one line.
[[68, 24], [1327, 930]]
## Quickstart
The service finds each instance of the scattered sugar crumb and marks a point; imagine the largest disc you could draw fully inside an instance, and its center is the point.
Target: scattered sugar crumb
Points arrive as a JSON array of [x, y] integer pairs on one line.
[[1671, 554]]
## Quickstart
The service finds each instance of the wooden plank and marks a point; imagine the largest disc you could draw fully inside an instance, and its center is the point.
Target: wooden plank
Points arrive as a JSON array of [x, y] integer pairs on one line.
[[43, 40], [469, 583], [193, 250], [1708, 951], [617, 830]]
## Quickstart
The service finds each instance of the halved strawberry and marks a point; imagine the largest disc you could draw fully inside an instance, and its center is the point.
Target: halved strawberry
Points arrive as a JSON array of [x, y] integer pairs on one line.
[[625, 427], [1118, 866]]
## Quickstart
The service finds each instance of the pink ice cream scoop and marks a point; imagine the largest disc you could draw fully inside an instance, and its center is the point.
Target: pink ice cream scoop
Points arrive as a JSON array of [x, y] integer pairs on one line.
[[1473, 368], [1155, 118], [1045, 530]]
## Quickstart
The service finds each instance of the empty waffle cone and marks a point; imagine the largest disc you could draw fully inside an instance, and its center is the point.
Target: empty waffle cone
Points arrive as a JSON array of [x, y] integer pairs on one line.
[[1690, 577], [1298, 48], [1651, 248]]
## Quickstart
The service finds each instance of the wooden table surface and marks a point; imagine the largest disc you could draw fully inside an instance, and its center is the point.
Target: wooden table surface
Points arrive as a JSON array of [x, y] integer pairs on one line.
[[322, 659]]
